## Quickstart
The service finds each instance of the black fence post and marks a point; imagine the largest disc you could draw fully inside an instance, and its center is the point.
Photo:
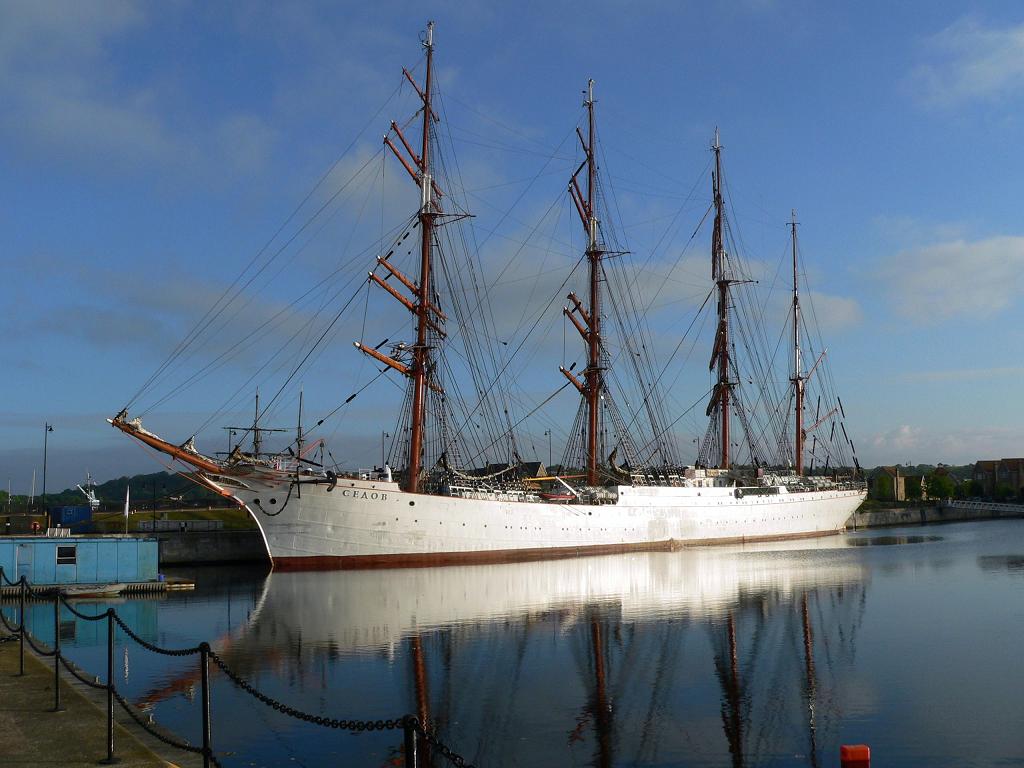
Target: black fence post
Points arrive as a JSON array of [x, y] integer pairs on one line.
[[204, 670], [409, 727], [110, 688], [21, 625], [56, 651]]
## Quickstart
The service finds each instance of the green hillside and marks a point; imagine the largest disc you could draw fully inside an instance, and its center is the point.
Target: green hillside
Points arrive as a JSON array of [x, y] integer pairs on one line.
[[160, 489]]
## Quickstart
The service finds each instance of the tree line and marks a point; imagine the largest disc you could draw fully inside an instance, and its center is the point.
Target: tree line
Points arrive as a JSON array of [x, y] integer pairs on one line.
[[158, 490]]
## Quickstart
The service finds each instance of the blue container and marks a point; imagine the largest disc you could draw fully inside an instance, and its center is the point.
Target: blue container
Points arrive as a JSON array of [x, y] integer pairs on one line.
[[79, 559], [69, 516]]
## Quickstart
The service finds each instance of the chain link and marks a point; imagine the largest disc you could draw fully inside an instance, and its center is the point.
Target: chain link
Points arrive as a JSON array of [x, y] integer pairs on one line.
[[6, 624], [149, 646], [182, 745], [452, 757], [81, 678], [36, 648], [346, 725], [79, 614], [328, 722], [38, 594]]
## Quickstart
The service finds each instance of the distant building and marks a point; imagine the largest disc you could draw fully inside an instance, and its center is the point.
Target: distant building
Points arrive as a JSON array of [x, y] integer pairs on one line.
[[985, 475], [901, 486], [1003, 473], [1010, 474]]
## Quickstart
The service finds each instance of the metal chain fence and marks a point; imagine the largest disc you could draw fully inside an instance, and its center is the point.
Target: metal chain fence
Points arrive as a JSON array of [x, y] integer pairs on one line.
[[94, 683], [327, 722], [413, 729]]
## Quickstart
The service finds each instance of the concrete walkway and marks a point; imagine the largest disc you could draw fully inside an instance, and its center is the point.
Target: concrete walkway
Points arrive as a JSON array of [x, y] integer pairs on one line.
[[32, 734]]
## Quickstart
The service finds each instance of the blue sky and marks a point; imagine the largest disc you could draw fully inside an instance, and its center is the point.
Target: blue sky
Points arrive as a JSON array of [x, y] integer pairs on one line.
[[150, 149]]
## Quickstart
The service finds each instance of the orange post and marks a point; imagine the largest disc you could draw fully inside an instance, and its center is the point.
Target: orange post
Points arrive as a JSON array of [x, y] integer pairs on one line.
[[855, 756]]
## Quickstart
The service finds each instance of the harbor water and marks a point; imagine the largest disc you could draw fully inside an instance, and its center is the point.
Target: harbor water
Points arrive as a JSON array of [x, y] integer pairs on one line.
[[905, 639]]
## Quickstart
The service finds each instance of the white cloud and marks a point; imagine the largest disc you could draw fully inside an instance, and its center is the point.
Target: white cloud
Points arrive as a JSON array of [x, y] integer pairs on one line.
[[246, 141], [58, 85], [970, 61], [966, 374], [935, 282], [904, 438], [835, 313], [907, 231], [67, 98], [913, 444], [58, 29]]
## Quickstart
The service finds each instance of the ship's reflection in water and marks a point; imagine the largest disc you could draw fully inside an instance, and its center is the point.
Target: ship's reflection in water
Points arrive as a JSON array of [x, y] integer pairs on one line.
[[760, 655], [604, 661]]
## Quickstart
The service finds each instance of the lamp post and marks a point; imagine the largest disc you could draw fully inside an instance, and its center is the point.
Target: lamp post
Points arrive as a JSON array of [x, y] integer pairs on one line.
[[548, 433], [383, 456], [47, 429]]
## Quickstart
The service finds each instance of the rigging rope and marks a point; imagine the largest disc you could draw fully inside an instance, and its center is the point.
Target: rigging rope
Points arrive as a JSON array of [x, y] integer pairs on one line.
[[204, 322]]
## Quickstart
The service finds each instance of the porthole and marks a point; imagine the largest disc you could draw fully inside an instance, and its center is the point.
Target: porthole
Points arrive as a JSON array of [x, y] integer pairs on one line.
[[412, 503], [256, 501], [273, 501]]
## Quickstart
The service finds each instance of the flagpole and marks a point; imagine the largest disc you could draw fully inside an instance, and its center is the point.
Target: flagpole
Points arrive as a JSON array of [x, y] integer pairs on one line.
[[127, 492]]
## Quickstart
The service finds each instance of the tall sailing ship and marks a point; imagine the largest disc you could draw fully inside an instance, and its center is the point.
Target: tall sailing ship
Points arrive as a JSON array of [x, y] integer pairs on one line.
[[620, 486]]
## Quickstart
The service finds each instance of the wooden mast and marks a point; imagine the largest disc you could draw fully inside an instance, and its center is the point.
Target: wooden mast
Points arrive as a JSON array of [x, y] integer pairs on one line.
[[426, 217], [256, 428], [428, 316], [798, 377], [593, 372], [720, 357], [298, 433], [588, 319]]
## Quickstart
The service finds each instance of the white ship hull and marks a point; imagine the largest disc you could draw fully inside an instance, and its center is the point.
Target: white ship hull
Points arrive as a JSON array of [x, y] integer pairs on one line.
[[366, 523]]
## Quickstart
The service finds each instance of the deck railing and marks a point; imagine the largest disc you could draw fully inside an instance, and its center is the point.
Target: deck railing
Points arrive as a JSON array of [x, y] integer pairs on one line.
[[983, 506]]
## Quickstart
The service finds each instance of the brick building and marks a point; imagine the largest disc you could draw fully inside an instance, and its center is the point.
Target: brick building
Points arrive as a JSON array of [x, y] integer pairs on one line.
[[994, 475]]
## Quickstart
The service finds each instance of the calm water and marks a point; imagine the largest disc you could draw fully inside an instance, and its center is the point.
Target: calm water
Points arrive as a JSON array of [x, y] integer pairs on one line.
[[908, 640]]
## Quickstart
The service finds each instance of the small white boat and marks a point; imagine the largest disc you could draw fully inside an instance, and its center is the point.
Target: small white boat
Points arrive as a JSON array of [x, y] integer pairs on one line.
[[83, 591]]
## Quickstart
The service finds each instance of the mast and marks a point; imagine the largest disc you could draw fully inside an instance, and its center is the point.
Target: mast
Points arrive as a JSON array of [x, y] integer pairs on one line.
[[798, 375], [587, 319], [428, 315], [298, 432], [593, 372], [256, 428], [426, 217], [720, 356]]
